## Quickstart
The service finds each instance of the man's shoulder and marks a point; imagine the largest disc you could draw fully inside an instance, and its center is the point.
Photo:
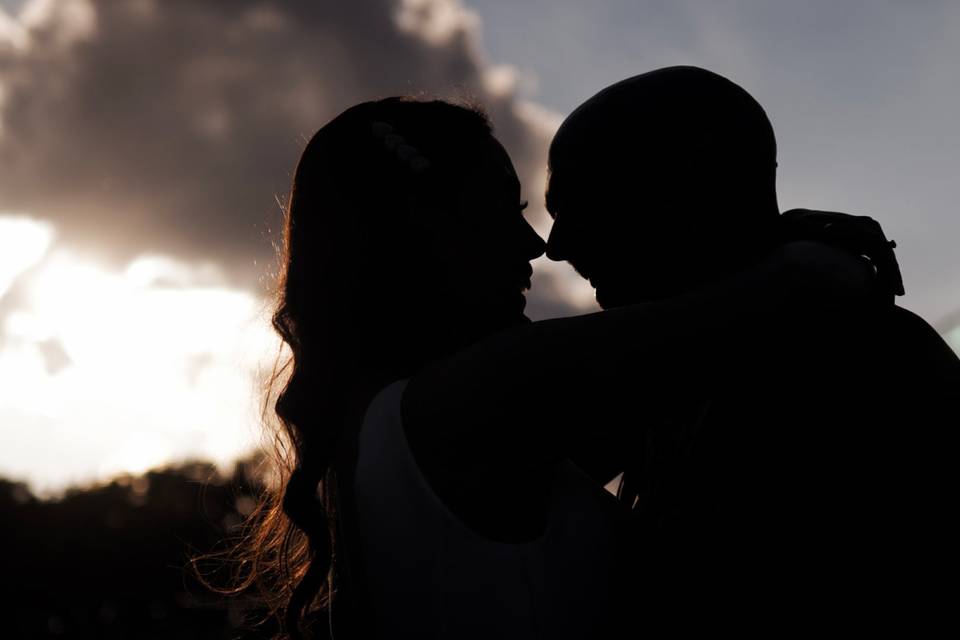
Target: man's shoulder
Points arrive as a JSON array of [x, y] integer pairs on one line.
[[919, 344], [865, 338], [912, 325], [882, 340]]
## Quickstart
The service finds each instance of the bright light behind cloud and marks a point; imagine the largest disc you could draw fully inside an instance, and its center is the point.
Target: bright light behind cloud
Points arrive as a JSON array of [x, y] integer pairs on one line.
[[105, 370], [23, 241]]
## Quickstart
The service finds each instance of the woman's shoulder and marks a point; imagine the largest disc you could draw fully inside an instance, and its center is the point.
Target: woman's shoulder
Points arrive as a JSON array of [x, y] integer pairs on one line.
[[423, 562], [387, 400]]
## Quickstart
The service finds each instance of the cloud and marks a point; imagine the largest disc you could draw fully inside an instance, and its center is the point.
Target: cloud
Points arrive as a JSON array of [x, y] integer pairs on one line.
[[146, 142], [23, 242], [106, 369], [863, 96], [172, 126]]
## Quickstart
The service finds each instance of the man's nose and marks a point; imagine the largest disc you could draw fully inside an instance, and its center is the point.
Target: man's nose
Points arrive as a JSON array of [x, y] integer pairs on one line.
[[557, 243]]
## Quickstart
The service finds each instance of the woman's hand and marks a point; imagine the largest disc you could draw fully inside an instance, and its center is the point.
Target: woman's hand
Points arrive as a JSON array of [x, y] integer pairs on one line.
[[857, 235], [822, 272]]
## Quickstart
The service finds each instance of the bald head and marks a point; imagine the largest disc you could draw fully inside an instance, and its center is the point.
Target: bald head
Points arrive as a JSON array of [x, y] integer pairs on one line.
[[675, 167]]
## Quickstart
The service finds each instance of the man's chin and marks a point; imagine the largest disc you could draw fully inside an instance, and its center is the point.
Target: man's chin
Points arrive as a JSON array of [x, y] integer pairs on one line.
[[611, 298], [607, 299]]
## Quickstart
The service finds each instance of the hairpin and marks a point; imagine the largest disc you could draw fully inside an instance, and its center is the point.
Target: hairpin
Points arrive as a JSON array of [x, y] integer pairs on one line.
[[396, 144]]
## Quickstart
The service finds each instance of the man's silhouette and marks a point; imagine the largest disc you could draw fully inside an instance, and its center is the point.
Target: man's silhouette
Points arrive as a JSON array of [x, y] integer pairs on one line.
[[809, 480]]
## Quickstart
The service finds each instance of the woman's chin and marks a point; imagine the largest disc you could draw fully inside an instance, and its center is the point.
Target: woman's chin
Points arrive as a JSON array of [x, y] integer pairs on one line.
[[494, 313], [508, 311]]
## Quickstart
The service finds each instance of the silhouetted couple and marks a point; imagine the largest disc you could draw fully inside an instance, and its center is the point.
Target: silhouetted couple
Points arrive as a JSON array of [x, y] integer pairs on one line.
[[777, 420]]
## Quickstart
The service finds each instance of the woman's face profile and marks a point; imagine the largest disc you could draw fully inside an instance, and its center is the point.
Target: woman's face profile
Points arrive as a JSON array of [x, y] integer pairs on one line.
[[486, 245]]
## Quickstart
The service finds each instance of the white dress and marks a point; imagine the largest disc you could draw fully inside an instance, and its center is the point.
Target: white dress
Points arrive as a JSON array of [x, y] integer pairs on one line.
[[427, 575]]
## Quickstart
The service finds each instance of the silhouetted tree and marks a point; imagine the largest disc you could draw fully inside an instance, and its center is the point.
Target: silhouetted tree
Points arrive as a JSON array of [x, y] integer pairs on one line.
[[113, 561]]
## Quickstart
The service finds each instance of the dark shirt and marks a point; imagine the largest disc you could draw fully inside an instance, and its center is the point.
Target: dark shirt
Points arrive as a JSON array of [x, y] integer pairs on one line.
[[808, 482]]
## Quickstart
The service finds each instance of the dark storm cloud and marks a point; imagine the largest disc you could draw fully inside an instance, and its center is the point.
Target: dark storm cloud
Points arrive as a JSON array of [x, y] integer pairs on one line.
[[172, 126]]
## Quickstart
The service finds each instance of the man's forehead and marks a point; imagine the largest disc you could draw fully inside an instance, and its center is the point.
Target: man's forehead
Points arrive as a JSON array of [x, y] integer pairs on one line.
[[590, 181]]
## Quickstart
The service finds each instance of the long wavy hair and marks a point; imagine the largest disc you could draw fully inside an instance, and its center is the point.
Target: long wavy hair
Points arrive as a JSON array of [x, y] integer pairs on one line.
[[353, 292]]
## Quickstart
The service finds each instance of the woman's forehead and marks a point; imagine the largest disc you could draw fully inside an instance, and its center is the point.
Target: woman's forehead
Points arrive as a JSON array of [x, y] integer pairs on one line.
[[498, 165]]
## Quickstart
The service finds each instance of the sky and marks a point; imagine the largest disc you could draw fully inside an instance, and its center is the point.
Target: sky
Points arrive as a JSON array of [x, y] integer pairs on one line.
[[863, 96], [145, 144]]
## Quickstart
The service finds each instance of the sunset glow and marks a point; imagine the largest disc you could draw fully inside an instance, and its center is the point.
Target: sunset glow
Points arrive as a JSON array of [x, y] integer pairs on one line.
[[23, 242], [106, 371]]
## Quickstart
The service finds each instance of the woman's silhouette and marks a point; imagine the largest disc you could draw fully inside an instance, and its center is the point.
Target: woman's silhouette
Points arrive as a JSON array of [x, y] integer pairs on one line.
[[425, 419]]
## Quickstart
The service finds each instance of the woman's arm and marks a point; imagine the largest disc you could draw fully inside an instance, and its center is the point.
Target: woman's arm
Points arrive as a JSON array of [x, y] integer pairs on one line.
[[507, 407], [522, 372]]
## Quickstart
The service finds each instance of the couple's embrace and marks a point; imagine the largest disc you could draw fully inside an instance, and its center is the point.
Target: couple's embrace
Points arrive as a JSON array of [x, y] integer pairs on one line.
[[767, 404]]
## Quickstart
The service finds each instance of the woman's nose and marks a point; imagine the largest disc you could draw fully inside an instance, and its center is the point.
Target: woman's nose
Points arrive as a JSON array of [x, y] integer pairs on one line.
[[534, 244]]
